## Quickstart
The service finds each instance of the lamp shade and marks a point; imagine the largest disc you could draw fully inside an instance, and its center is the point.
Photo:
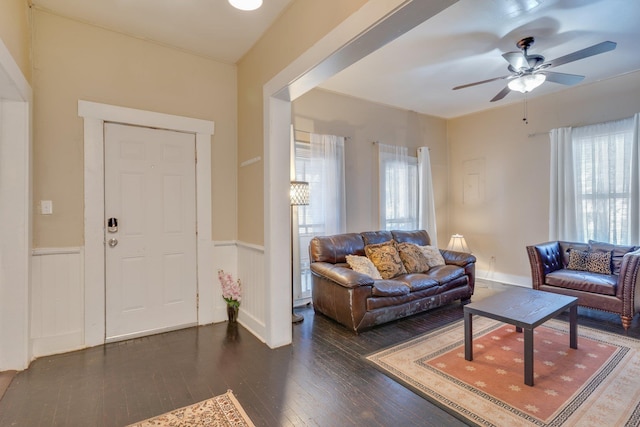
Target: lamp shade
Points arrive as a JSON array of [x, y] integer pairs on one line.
[[246, 4], [299, 193], [458, 244], [527, 83]]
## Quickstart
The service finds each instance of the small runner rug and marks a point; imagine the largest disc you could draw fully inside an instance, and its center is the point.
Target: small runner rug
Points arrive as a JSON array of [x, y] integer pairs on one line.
[[596, 385], [223, 410]]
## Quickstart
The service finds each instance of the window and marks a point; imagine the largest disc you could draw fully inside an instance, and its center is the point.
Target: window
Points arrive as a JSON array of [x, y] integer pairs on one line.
[[398, 189], [305, 227], [602, 162], [594, 183]]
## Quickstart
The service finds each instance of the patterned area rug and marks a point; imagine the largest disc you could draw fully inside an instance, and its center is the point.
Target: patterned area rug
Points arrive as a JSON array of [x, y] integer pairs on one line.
[[596, 385], [223, 410]]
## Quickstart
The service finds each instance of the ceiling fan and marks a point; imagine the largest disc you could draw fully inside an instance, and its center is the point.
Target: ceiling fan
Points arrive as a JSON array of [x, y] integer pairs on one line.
[[529, 71]]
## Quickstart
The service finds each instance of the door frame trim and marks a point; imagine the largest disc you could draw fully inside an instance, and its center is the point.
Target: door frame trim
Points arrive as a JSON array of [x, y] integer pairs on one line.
[[95, 115]]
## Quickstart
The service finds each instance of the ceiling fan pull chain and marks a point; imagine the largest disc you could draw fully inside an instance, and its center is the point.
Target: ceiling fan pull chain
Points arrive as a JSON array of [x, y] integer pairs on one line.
[[526, 111]]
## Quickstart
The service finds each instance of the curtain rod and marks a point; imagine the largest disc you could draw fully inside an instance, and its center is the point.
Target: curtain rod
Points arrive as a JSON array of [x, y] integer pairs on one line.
[[378, 142], [309, 133]]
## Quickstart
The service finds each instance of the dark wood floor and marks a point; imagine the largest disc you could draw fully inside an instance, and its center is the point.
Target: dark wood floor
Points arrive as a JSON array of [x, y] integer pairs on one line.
[[320, 380]]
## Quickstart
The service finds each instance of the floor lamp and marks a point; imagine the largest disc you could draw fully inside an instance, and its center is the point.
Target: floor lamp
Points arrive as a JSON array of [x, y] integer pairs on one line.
[[299, 196]]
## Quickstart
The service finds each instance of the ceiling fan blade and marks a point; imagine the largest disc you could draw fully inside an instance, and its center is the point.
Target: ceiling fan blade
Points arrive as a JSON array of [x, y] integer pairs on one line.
[[562, 78], [481, 82], [516, 59], [584, 53], [501, 94]]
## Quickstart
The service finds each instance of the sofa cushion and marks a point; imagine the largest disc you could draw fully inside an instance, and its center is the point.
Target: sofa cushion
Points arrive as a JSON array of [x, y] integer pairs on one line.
[[417, 282], [445, 273], [363, 265], [334, 249], [583, 281], [386, 258], [412, 258], [617, 253], [389, 288], [417, 237], [433, 255], [375, 237]]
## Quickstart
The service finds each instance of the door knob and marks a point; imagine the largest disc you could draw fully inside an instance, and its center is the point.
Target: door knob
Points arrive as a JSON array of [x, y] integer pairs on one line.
[[113, 242]]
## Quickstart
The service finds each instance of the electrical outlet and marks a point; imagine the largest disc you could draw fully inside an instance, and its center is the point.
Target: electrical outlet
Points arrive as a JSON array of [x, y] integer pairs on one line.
[[46, 207]]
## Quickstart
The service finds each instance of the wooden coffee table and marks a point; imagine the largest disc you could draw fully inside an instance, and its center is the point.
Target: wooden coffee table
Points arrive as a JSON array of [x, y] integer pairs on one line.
[[525, 309]]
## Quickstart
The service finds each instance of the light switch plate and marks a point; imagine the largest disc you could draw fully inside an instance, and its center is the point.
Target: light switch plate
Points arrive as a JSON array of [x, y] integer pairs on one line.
[[46, 207]]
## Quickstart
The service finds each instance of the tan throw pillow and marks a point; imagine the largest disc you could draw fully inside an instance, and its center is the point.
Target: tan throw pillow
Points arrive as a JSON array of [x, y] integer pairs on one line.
[[577, 260], [386, 259], [363, 265], [412, 258], [599, 262], [433, 255]]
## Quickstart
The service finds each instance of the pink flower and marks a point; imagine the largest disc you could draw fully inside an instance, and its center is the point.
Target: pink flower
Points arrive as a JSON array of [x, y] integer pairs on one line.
[[231, 290]]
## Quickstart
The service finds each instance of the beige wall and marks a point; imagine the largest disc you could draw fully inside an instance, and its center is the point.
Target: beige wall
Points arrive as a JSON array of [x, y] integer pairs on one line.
[[506, 172], [15, 33], [302, 24], [77, 61], [364, 122]]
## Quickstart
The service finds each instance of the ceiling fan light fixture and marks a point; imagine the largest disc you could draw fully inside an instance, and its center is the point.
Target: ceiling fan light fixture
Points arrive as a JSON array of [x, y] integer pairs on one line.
[[527, 83], [246, 4]]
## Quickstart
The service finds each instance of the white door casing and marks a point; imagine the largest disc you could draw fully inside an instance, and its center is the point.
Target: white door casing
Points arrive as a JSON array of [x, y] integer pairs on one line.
[[95, 115], [150, 260]]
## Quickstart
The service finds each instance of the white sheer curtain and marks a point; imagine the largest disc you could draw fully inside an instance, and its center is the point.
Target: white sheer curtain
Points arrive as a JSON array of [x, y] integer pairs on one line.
[[327, 186], [398, 189], [562, 204], [595, 183], [427, 206]]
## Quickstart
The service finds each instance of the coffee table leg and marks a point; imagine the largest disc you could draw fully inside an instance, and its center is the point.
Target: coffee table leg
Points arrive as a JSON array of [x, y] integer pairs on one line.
[[468, 336], [528, 356], [573, 327]]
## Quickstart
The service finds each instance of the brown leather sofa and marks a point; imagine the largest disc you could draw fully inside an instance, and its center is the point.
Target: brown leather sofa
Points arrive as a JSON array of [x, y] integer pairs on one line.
[[359, 302], [618, 292]]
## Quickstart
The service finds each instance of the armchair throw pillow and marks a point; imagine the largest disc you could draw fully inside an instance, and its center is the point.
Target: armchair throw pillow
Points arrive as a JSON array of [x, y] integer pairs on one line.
[[594, 262], [386, 258]]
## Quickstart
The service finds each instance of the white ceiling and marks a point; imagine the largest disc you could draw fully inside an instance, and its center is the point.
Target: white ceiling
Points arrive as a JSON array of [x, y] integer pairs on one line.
[[211, 28], [463, 44]]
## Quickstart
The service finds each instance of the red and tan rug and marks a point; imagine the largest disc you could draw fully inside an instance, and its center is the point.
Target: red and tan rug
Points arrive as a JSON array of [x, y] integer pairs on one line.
[[219, 411], [596, 385]]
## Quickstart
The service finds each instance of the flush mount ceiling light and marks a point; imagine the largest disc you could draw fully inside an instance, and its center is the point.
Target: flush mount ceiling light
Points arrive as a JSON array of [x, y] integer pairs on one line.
[[246, 4], [527, 83]]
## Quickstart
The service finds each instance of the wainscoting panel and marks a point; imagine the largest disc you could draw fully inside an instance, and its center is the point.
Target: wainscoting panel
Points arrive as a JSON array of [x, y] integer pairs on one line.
[[251, 272], [57, 301]]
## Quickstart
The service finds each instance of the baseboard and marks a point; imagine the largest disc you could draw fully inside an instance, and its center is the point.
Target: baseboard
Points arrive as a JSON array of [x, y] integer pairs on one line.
[[63, 343], [504, 279]]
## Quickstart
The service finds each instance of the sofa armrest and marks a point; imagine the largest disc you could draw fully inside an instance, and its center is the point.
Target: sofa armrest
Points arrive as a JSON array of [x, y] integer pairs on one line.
[[460, 259], [629, 283], [342, 276], [544, 258]]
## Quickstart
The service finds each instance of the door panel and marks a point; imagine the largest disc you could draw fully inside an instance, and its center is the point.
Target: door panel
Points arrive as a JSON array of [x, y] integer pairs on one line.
[[151, 271]]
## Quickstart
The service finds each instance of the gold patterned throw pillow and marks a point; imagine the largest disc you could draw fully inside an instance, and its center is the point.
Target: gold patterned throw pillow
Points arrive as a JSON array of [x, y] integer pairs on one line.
[[386, 259], [433, 255], [363, 265], [412, 258]]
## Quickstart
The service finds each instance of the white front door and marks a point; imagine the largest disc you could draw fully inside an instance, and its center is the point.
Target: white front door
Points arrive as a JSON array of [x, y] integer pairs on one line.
[[151, 257]]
